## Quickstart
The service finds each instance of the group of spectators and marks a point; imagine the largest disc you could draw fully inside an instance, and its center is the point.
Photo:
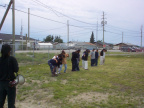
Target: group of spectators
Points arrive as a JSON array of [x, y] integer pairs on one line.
[[58, 61]]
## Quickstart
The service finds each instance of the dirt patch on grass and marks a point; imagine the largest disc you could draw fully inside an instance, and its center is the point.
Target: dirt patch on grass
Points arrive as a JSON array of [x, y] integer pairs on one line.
[[40, 98], [90, 97], [63, 82]]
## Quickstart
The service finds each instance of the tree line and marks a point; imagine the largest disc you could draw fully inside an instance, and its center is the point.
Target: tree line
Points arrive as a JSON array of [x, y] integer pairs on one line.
[[51, 38]]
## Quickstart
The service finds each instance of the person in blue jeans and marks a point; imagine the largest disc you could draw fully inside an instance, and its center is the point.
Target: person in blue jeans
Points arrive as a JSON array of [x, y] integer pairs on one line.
[[64, 61], [8, 66]]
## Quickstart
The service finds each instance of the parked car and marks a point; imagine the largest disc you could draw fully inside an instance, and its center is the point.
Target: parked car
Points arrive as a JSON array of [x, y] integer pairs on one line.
[[128, 49]]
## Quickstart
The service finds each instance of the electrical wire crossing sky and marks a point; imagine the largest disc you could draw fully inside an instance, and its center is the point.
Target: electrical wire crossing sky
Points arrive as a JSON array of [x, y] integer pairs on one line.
[[84, 17]]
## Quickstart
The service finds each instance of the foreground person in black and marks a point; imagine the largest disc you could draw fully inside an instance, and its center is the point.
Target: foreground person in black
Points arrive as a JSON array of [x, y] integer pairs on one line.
[[8, 65]]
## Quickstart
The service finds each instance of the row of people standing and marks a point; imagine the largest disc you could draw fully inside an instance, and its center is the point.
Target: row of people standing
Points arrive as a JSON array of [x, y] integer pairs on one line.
[[58, 61], [95, 55]]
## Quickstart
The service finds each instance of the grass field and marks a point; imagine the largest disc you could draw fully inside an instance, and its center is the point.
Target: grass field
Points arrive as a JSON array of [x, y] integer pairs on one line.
[[117, 84]]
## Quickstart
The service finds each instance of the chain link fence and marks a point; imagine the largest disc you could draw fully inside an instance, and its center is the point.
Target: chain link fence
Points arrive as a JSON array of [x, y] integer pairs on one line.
[[36, 55]]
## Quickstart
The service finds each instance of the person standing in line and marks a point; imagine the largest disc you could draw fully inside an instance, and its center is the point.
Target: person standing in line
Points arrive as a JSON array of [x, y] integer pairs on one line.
[[96, 57], [8, 66], [74, 60], [92, 55], [78, 60], [102, 56], [64, 61], [85, 58]]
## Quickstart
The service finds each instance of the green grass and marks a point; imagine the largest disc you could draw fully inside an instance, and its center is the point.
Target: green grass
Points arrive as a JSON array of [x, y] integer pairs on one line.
[[117, 84]]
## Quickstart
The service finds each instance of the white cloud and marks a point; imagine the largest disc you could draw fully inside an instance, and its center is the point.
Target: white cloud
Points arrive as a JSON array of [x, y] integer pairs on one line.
[[126, 14]]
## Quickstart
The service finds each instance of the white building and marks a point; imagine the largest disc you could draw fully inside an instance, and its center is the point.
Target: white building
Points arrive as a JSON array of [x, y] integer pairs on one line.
[[20, 41]]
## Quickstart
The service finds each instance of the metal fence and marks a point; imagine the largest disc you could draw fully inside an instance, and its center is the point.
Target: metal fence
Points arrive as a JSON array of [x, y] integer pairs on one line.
[[36, 55], [31, 55]]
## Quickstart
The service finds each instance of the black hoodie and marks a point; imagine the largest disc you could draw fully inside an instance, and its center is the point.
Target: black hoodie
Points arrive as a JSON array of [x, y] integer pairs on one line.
[[8, 66]]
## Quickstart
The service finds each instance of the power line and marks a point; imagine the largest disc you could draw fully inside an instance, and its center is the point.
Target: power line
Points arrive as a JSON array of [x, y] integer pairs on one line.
[[84, 27], [49, 29], [44, 5], [120, 34], [114, 27], [40, 17]]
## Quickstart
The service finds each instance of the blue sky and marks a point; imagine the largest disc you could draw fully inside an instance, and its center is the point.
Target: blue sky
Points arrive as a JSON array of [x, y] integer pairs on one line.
[[125, 16]]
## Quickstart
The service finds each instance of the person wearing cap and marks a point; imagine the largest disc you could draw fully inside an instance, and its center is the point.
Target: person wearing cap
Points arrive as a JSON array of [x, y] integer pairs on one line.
[[8, 66], [102, 56], [92, 55], [85, 58]]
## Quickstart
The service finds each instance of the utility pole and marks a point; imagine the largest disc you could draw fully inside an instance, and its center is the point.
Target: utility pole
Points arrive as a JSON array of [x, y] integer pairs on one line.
[[28, 24], [103, 24], [141, 34], [13, 27], [26, 41], [97, 32], [10, 3], [68, 32], [21, 34], [122, 37]]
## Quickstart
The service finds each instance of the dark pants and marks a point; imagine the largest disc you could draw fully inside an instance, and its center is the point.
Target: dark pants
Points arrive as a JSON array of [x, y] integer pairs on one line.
[[10, 92], [51, 67], [77, 66], [92, 62], [96, 61], [74, 65]]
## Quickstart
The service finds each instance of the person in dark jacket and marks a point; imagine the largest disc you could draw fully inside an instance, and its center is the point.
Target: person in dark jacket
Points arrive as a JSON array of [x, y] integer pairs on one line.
[[78, 60], [8, 66], [54, 63], [96, 57], [74, 60], [85, 58]]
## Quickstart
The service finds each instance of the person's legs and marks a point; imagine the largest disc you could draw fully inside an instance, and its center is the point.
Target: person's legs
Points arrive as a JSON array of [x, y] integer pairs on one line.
[[77, 65], [11, 97], [3, 93], [101, 60], [65, 67], [96, 61], [85, 64], [73, 65], [51, 67], [91, 62], [60, 68]]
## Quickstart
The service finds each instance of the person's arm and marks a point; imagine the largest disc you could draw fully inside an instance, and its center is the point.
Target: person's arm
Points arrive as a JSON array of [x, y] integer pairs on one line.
[[67, 55], [15, 65], [56, 60]]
